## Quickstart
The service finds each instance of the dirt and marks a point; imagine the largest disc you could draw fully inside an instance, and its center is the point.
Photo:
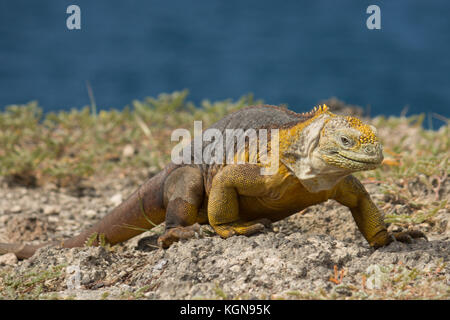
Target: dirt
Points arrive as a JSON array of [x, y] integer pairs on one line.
[[318, 253]]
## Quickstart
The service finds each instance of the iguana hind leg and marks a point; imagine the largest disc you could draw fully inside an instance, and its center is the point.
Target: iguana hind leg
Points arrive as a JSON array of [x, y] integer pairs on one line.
[[183, 196], [223, 202]]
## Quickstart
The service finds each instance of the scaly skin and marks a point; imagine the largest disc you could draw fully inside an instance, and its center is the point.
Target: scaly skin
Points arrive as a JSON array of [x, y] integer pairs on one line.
[[317, 153]]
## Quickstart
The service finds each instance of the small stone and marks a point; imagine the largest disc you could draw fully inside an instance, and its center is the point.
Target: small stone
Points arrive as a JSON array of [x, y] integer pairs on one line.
[[9, 259], [344, 291], [53, 219], [116, 199], [236, 268], [160, 264], [16, 209], [90, 213], [125, 287], [103, 209], [128, 151], [50, 210]]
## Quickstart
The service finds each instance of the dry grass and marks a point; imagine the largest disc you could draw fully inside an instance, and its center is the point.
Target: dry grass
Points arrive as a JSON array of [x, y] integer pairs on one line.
[[67, 147]]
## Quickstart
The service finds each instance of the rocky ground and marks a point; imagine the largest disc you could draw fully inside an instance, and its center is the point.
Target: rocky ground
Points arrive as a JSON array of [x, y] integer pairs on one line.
[[315, 254]]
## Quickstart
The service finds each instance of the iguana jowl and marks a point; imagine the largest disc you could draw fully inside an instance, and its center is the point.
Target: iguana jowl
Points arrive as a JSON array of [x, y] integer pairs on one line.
[[318, 152]]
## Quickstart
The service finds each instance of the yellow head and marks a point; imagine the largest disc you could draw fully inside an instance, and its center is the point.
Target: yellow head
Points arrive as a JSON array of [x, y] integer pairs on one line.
[[326, 147], [348, 143]]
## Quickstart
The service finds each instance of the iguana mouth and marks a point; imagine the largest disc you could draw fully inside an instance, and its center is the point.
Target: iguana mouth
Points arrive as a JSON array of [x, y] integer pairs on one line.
[[361, 160]]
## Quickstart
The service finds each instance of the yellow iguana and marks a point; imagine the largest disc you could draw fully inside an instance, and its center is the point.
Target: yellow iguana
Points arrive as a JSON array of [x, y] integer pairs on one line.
[[316, 155]]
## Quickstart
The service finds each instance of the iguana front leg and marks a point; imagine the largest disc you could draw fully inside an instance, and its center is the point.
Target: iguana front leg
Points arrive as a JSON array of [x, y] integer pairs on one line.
[[223, 202], [351, 193]]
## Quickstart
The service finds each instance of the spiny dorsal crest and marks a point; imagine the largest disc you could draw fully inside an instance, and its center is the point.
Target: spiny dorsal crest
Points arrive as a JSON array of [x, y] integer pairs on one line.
[[316, 111]]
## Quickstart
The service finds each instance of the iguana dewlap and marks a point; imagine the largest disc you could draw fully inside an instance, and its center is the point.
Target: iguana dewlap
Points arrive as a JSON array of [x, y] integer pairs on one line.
[[317, 153]]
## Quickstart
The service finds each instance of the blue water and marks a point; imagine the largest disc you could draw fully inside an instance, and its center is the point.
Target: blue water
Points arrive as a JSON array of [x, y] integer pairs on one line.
[[290, 51]]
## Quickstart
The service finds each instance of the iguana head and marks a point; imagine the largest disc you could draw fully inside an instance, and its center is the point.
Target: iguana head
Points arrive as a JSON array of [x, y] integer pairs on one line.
[[347, 143], [327, 147]]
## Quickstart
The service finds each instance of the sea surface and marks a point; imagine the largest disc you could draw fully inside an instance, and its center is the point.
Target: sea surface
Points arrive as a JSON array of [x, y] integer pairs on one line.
[[291, 51]]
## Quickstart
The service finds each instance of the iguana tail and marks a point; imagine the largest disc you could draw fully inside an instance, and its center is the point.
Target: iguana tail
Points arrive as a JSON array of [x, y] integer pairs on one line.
[[143, 210], [22, 251]]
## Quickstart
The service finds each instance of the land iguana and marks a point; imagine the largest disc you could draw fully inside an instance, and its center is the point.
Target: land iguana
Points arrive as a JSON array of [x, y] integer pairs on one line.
[[317, 153]]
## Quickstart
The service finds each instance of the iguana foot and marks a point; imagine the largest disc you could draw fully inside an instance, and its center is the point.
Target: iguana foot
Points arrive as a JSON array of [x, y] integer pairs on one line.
[[175, 234], [408, 236], [383, 238], [241, 228]]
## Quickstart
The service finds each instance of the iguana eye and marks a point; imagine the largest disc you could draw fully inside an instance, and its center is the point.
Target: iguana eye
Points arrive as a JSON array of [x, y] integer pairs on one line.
[[346, 141]]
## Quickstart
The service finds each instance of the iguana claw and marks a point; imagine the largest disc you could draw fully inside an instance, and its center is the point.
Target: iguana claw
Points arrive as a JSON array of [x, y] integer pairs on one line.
[[408, 236], [178, 233]]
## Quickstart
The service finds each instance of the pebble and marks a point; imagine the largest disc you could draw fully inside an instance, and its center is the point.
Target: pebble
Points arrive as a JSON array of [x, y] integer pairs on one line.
[[160, 264], [90, 213], [16, 209], [128, 151], [116, 199], [236, 268], [125, 287], [9, 259], [424, 226], [150, 295], [53, 219], [50, 209]]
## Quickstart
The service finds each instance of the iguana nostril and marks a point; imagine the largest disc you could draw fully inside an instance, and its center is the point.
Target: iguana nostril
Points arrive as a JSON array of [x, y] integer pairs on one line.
[[369, 149]]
